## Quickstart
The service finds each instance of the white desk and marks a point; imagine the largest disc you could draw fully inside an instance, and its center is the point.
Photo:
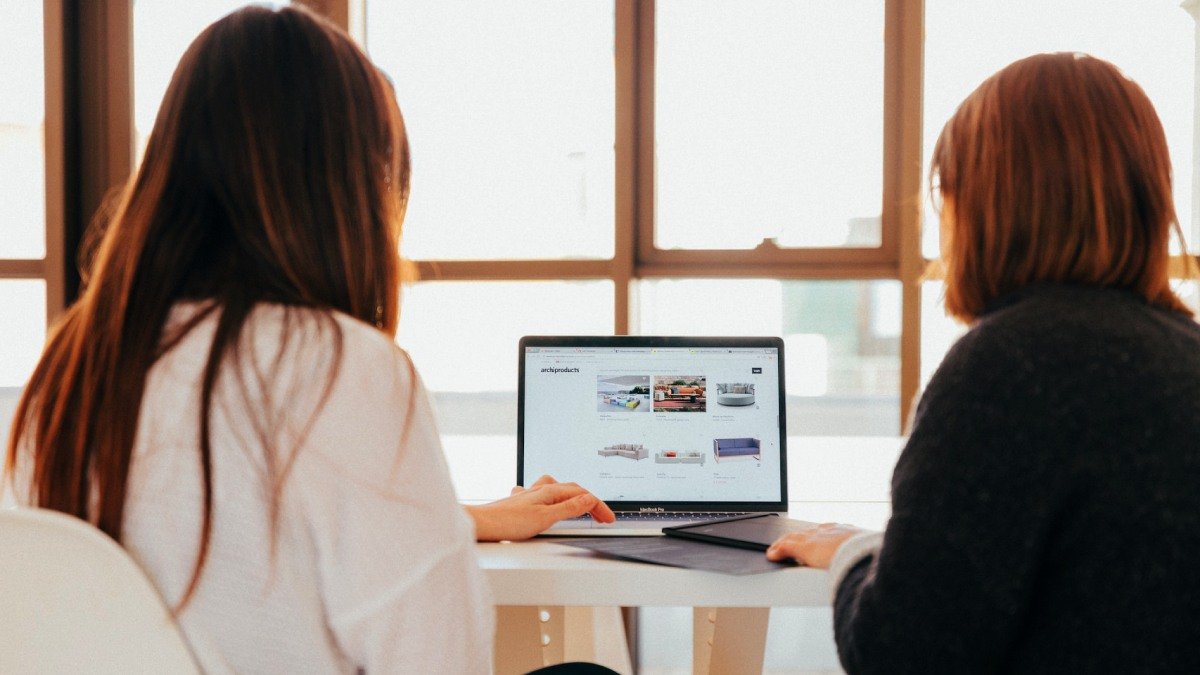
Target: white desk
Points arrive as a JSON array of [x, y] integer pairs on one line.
[[572, 597], [558, 603], [543, 573]]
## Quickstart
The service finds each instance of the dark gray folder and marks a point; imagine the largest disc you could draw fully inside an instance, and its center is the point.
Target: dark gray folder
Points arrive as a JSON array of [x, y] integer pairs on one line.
[[755, 532]]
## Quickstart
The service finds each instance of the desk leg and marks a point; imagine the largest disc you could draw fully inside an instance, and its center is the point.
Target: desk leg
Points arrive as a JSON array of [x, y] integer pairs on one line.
[[518, 640], [528, 638], [729, 640]]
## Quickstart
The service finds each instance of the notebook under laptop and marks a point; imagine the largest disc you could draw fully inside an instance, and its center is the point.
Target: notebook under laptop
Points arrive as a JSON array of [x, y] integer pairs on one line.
[[666, 430]]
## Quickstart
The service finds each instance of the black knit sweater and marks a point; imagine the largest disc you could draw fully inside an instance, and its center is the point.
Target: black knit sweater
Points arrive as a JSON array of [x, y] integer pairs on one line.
[[1046, 510]]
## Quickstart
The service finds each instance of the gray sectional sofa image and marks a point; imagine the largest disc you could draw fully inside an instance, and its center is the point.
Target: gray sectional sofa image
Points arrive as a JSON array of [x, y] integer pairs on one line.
[[633, 451]]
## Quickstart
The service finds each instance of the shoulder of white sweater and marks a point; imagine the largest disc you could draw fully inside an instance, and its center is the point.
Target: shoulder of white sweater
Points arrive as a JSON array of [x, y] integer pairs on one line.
[[275, 334], [317, 322], [334, 382], [315, 340]]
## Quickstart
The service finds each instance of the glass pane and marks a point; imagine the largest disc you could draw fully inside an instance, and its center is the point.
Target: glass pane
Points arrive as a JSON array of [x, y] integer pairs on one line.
[[510, 113], [162, 31], [22, 154], [1189, 292], [463, 339], [841, 339], [938, 331], [1154, 42], [23, 316], [769, 123]]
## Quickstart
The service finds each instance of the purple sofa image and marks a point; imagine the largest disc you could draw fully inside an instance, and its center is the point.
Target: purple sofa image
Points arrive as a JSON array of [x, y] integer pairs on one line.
[[737, 447]]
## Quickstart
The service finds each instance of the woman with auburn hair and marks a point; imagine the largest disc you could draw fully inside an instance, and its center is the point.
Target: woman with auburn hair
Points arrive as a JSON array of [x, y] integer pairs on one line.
[[226, 399], [1046, 510]]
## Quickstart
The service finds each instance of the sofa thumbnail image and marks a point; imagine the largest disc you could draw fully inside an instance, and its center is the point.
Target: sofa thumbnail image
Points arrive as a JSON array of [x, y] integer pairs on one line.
[[622, 401], [677, 457], [624, 392], [633, 451], [679, 393], [735, 394], [725, 448]]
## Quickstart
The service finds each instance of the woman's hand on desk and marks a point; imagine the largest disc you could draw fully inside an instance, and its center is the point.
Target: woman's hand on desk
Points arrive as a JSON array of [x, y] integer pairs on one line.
[[530, 510], [814, 547]]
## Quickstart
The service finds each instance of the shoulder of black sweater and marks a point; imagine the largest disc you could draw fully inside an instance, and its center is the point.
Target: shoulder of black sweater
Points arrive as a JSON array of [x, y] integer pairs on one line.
[[1061, 357], [1049, 380], [1070, 338], [1048, 315]]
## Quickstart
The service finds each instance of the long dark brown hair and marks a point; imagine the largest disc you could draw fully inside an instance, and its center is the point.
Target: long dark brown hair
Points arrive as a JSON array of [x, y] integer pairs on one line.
[[1055, 170], [277, 172]]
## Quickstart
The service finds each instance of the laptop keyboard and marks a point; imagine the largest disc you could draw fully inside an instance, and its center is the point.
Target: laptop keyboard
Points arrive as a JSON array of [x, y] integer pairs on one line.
[[671, 515]]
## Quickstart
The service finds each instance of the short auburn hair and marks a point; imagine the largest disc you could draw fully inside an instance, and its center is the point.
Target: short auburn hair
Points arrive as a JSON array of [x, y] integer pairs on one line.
[[1054, 170]]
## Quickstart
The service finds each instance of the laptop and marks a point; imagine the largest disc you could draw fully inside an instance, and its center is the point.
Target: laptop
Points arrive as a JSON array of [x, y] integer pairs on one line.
[[666, 430]]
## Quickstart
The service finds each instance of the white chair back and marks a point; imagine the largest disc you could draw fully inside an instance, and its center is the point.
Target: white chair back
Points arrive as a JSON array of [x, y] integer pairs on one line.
[[72, 601]]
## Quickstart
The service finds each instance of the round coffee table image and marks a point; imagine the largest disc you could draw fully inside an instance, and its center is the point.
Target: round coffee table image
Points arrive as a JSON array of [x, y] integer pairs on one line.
[[730, 394]]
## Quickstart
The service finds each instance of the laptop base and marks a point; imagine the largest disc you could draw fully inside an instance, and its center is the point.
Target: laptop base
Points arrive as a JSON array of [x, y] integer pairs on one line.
[[627, 525]]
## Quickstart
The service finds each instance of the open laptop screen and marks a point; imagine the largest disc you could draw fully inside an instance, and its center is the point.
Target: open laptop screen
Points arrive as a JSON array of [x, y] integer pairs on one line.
[[641, 420]]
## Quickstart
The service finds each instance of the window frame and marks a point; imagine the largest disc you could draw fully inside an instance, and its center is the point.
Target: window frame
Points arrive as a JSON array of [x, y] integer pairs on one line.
[[637, 257], [87, 134], [48, 267], [89, 144]]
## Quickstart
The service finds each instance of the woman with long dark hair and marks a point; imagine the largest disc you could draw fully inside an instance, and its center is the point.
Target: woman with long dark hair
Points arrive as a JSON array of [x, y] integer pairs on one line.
[[226, 399], [1046, 509]]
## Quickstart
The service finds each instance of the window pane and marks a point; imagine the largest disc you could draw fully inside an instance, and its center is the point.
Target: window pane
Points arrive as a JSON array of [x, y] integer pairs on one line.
[[22, 155], [162, 31], [510, 113], [938, 331], [769, 123], [1189, 292], [841, 339], [463, 339], [23, 316], [1154, 42]]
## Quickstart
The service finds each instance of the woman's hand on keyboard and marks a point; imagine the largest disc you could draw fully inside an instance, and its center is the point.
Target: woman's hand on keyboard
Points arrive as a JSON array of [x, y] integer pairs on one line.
[[530, 510]]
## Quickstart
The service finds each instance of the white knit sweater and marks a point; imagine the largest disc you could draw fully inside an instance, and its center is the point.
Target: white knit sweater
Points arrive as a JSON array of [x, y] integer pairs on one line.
[[372, 565]]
